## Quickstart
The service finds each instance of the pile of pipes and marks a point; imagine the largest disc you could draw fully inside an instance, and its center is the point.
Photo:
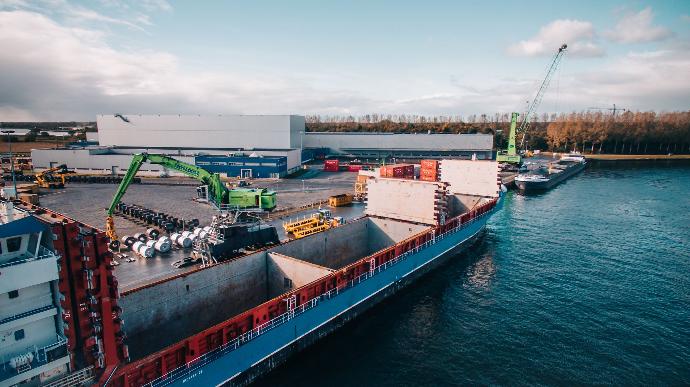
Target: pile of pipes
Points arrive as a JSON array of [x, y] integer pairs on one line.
[[165, 221]]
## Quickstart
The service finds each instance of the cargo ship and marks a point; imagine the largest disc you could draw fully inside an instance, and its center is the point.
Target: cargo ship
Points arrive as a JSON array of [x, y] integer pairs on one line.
[[231, 322], [548, 176]]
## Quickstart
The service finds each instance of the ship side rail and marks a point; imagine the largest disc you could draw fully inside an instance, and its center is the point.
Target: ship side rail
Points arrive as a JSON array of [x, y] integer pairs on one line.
[[208, 357]]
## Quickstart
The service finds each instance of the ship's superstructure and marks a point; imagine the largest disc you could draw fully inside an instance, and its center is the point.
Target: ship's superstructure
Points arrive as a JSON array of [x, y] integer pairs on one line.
[[33, 348]]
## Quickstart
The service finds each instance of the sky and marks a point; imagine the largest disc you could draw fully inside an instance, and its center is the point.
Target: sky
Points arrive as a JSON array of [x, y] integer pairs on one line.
[[72, 60]]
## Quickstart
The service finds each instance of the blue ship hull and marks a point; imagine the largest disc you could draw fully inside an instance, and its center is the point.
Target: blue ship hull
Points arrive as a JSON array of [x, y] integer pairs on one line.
[[260, 353]]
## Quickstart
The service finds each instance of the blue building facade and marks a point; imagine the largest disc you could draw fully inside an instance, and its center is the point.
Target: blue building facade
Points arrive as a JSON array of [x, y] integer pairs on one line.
[[244, 166]]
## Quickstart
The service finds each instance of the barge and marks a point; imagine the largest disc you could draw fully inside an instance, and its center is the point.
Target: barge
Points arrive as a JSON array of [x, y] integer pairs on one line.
[[552, 174], [231, 322]]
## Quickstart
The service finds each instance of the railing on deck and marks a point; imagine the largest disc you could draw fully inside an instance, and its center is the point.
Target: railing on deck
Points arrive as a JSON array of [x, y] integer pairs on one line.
[[210, 356], [26, 314], [42, 254]]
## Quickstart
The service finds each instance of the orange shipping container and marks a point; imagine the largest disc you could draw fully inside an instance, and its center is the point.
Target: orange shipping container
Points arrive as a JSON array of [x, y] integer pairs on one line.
[[428, 175], [429, 164]]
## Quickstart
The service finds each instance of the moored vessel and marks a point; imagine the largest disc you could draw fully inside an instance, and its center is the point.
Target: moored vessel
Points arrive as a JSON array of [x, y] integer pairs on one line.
[[551, 174]]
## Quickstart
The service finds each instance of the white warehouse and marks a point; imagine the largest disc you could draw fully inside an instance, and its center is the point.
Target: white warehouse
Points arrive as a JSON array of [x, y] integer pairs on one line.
[[200, 131]]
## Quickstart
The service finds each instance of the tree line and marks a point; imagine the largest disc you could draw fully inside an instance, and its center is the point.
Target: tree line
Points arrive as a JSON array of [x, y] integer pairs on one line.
[[587, 131]]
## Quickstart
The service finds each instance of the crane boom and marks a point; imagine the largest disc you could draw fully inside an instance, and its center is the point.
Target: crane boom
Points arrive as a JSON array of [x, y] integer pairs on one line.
[[532, 108]]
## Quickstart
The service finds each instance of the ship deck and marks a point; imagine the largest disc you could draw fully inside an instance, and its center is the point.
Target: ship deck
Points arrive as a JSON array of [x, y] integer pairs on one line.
[[158, 315], [87, 202]]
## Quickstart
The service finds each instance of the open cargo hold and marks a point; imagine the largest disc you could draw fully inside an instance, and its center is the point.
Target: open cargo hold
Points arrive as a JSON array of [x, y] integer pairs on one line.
[[189, 303], [380, 249]]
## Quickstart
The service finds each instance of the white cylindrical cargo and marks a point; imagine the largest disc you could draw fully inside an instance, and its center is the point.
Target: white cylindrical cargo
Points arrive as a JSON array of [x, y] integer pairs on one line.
[[181, 240], [184, 241], [188, 234], [162, 245], [142, 249], [141, 236]]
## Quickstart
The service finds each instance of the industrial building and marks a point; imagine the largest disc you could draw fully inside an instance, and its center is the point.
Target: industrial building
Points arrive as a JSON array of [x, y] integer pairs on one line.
[[246, 132], [381, 145], [260, 146], [33, 348]]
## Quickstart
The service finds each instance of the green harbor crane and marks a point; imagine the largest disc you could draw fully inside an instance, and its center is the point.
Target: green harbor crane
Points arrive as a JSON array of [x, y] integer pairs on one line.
[[511, 154], [218, 193]]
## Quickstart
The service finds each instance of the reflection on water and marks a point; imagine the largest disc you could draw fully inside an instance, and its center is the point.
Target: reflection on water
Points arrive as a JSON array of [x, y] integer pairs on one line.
[[481, 272]]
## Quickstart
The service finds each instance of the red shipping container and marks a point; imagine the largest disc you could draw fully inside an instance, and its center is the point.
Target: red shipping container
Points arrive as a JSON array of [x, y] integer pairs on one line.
[[331, 166], [427, 178], [398, 171], [354, 168]]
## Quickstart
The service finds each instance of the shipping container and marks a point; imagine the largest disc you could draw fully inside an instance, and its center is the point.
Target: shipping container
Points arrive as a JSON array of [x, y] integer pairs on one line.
[[331, 166], [428, 175], [429, 164], [398, 171], [354, 168]]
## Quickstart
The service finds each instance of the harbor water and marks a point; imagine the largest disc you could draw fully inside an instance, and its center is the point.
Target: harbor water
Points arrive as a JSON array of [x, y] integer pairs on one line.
[[588, 283]]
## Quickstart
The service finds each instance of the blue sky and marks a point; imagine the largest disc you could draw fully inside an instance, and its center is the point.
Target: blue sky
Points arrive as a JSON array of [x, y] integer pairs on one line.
[[74, 59]]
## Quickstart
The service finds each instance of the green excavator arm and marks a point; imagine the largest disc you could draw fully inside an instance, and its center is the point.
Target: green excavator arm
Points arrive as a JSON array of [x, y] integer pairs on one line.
[[217, 191]]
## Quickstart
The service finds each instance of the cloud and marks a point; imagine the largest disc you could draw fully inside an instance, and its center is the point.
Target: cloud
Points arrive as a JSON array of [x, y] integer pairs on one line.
[[133, 15], [77, 74], [637, 28], [579, 35]]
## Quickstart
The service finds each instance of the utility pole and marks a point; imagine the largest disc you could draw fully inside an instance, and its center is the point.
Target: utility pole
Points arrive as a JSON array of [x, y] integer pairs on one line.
[[14, 180]]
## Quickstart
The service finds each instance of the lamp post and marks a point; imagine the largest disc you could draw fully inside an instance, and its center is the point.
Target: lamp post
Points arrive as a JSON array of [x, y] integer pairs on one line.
[[9, 139]]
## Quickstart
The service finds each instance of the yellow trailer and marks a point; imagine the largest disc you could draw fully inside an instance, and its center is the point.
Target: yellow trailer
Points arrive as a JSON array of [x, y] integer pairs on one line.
[[340, 200]]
